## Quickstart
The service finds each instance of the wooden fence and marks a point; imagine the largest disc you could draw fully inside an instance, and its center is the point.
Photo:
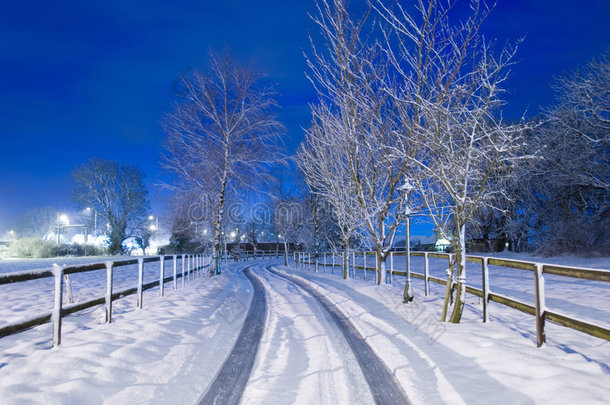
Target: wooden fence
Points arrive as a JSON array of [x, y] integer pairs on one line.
[[538, 308], [191, 266]]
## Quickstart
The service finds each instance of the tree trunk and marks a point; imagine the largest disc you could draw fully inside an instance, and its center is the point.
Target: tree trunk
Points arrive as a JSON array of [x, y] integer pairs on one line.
[[215, 268], [380, 266], [458, 308], [345, 260]]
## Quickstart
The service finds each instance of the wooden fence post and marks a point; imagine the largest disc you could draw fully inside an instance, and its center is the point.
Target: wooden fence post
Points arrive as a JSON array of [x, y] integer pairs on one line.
[[183, 274], [58, 272], [332, 269], [69, 289], [354, 264], [485, 286], [161, 275], [540, 305], [426, 275], [188, 268], [175, 280], [364, 264], [324, 262], [140, 282], [391, 265], [108, 292]]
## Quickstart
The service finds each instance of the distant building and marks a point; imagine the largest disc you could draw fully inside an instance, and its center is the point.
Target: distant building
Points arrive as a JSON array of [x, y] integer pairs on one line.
[[442, 243]]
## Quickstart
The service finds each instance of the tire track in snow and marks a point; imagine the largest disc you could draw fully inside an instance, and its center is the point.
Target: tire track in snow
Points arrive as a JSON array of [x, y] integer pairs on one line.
[[303, 356], [384, 387], [231, 380]]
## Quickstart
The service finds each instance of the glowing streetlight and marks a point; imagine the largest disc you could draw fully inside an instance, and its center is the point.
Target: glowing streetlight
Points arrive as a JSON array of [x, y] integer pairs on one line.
[[154, 225], [64, 220]]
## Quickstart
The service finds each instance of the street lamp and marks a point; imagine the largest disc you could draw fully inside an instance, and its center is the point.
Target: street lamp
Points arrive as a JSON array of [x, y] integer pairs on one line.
[[407, 188], [94, 221], [154, 226], [62, 219]]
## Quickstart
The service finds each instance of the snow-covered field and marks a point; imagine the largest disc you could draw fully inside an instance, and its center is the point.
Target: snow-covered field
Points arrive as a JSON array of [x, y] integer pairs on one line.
[[30, 298], [170, 351]]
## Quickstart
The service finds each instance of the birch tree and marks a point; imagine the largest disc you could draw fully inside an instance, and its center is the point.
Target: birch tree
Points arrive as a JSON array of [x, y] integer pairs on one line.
[[448, 90], [221, 135], [349, 74]]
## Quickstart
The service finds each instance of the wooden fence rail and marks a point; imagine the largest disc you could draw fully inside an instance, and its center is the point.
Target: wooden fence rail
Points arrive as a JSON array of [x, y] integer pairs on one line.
[[192, 266], [538, 309]]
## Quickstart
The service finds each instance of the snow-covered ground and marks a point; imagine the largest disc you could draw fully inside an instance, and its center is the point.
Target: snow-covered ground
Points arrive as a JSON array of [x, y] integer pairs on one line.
[[473, 362], [167, 352], [170, 351]]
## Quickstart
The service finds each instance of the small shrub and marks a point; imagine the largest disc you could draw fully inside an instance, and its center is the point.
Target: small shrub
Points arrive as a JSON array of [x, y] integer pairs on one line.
[[32, 248]]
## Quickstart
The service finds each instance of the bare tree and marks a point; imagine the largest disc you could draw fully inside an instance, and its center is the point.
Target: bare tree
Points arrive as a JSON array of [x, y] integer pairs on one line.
[[38, 222], [221, 135], [564, 195], [117, 193], [325, 167], [350, 78], [289, 224], [448, 91]]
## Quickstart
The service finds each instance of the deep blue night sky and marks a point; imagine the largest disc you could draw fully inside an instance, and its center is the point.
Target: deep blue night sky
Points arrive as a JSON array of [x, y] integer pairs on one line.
[[82, 79]]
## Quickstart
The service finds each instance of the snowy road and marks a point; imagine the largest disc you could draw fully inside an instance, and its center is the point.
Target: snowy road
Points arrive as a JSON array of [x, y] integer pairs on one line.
[[303, 356], [308, 353], [229, 384]]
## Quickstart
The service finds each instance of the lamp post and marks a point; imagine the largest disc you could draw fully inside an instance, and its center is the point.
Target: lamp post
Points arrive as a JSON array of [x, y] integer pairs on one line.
[[407, 188], [89, 209], [62, 219]]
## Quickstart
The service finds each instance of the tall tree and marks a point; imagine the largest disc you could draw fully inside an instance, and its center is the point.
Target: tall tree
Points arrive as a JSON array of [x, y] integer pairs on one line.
[[349, 74], [564, 195], [117, 193], [222, 135], [448, 88]]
